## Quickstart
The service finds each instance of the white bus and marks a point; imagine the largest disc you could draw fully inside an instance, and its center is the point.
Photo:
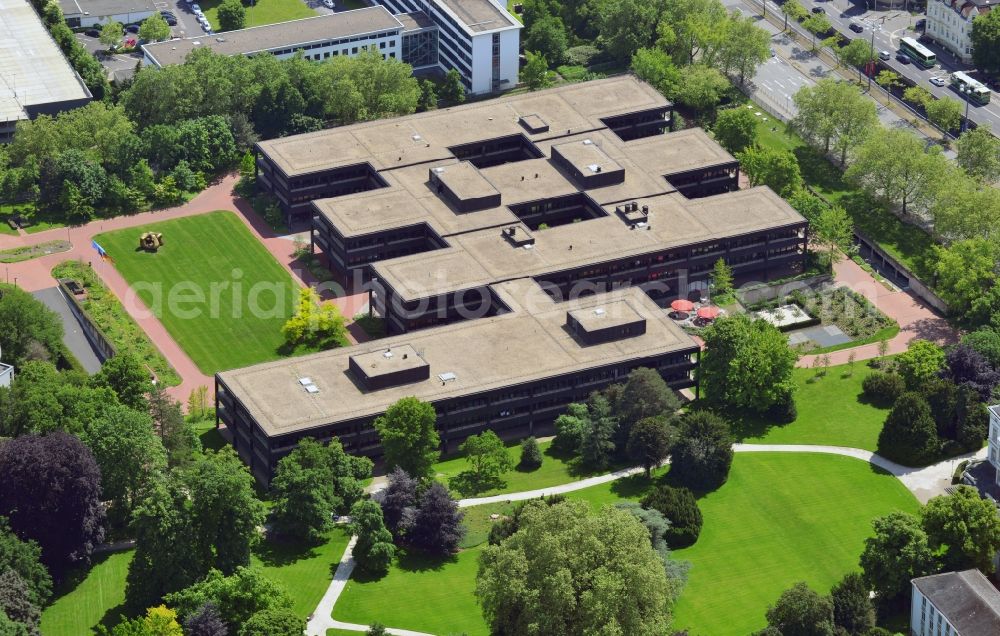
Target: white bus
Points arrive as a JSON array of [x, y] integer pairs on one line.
[[975, 91], [917, 52]]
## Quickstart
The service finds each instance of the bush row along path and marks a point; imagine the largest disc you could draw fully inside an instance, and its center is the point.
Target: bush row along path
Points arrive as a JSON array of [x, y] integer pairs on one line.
[[924, 483], [36, 274]]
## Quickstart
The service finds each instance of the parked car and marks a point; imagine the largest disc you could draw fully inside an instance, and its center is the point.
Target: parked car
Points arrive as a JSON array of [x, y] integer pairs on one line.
[[818, 10], [167, 14], [921, 23], [938, 81], [902, 58], [132, 28], [857, 28], [206, 27], [329, 4], [171, 21], [92, 33], [884, 55], [196, 8]]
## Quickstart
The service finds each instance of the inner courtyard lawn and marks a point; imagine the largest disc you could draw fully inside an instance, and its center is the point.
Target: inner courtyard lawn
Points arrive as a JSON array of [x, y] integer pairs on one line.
[[304, 572], [832, 410], [215, 287], [780, 518], [262, 12], [89, 598]]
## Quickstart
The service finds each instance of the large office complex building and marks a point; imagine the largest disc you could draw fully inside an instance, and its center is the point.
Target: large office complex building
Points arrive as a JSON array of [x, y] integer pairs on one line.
[[477, 38], [35, 77], [518, 249], [954, 604]]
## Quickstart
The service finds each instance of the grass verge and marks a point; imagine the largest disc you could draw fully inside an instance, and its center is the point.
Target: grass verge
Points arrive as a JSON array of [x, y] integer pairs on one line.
[[261, 12], [89, 597], [305, 571]]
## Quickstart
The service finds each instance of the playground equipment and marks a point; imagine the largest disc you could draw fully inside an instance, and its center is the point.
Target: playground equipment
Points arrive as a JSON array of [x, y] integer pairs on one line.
[[151, 241]]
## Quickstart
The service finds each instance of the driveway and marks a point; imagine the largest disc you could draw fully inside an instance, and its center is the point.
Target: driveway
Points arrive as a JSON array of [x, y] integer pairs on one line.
[[73, 336]]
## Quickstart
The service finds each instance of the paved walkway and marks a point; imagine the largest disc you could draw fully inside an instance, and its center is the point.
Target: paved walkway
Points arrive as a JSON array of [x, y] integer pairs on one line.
[[924, 483], [35, 275], [915, 318]]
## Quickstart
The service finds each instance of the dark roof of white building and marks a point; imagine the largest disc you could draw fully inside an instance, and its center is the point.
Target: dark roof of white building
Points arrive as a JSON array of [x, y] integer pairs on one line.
[[967, 599]]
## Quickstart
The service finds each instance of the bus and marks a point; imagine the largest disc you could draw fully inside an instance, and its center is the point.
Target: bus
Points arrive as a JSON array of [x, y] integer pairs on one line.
[[970, 88], [917, 52]]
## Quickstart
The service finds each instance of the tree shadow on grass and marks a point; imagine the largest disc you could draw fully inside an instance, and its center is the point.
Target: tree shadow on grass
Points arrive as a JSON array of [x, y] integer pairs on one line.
[[409, 560], [111, 618], [279, 553], [468, 484]]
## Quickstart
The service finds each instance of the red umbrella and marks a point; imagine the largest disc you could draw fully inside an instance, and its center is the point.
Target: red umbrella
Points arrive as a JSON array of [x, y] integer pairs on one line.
[[682, 305], [709, 313]]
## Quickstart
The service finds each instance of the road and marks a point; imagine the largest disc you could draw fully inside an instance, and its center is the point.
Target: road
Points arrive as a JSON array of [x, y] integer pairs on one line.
[[73, 335], [888, 28]]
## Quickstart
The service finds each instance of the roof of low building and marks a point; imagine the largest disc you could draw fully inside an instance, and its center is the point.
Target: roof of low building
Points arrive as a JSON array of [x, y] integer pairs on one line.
[[967, 599], [104, 8], [292, 34], [478, 16]]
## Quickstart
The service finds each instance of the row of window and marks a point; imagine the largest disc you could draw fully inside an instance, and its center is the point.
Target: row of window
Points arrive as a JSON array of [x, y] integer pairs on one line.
[[329, 43]]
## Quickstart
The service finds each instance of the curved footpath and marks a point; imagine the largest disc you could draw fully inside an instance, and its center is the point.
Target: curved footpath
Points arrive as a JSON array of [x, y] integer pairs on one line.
[[924, 483]]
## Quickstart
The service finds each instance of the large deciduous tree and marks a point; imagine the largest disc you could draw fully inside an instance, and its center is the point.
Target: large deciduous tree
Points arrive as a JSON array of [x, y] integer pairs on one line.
[[680, 507], [964, 528], [399, 501], [437, 523], [896, 553], [374, 549], [31, 331], [978, 153], [966, 274], [744, 46], [232, 15], [548, 37], [776, 169], [945, 113], [746, 365], [853, 609], [238, 597], [154, 28], [649, 442], [736, 129], [703, 453], [909, 435], [487, 459], [24, 558], [409, 437], [986, 42], [124, 374], [566, 572], [50, 493], [644, 395], [800, 611]]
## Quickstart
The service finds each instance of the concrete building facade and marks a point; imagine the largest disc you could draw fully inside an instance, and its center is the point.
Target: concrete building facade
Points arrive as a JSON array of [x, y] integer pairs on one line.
[[88, 13], [954, 604], [949, 23]]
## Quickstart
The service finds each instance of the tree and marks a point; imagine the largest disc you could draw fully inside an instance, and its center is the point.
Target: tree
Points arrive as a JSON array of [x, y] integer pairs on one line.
[[644, 395], [746, 365], [275, 621], [736, 129], [777, 169], [817, 24], [703, 453], [966, 272], [967, 367], [128, 453], [692, 29], [488, 460], [893, 164], [374, 549], [657, 526], [978, 153], [154, 28], [24, 559], [535, 73], [177, 436], [743, 47], [232, 16], [986, 342], [226, 512], [531, 455], [722, 279], [883, 388], [452, 90], [50, 493], [701, 88], [986, 42], [314, 324], [428, 96], [945, 113], [853, 609], [17, 601], [10, 628], [909, 435], [649, 442], [238, 597], [897, 553], [921, 362], [680, 507], [834, 230], [857, 53], [964, 528], [567, 572], [27, 323], [597, 444], [888, 80], [206, 621], [800, 611], [437, 525], [654, 66], [111, 34], [312, 483], [376, 629], [917, 95], [409, 437], [547, 37], [625, 26], [127, 377], [793, 9], [399, 500]]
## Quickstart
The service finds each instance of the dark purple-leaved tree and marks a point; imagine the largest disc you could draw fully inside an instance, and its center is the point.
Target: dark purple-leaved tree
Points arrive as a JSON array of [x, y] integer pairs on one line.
[[50, 492], [966, 366]]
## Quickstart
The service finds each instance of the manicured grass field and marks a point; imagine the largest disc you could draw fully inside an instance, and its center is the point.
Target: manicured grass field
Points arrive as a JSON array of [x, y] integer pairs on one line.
[[555, 469], [831, 411], [92, 597], [262, 11], [217, 290], [778, 520], [419, 593], [305, 573]]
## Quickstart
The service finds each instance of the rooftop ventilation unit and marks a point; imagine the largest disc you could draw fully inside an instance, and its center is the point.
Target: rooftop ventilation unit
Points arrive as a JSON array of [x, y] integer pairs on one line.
[[387, 354], [599, 311], [311, 388], [587, 142], [416, 137], [447, 376], [305, 381]]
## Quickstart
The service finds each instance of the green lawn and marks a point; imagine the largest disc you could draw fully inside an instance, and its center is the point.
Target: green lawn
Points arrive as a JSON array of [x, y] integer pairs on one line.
[[217, 290], [907, 243], [555, 469], [419, 593], [262, 12], [831, 410], [305, 573], [88, 598], [779, 519]]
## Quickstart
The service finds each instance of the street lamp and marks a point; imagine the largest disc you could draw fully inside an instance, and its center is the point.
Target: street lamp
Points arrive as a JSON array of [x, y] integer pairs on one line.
[[967, 92]]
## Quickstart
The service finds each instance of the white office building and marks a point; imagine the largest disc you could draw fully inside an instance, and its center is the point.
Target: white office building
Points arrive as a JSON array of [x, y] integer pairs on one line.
[[478, 38], [949, 23], [954, 604], [87, 13], [994, 440]]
